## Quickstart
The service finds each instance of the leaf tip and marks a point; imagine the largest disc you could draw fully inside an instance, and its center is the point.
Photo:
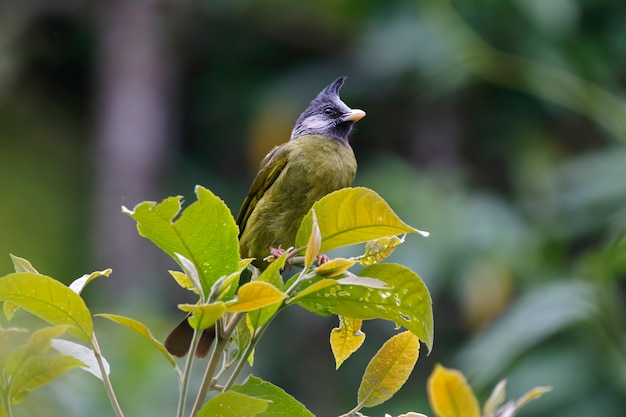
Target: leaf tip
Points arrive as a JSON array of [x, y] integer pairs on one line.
[[198, 189]]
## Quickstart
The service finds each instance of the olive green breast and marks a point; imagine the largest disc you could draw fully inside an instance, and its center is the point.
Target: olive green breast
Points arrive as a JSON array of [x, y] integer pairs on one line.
[[311, 167]]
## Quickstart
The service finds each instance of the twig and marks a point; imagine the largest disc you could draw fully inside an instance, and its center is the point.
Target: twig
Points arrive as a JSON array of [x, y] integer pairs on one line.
[[105, 378]]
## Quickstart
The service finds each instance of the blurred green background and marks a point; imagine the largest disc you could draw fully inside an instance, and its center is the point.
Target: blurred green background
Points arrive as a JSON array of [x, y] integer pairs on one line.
[[498, 126]]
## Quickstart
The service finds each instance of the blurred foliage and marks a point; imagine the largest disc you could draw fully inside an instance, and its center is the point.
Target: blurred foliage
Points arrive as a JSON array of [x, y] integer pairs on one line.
[[497, 126]]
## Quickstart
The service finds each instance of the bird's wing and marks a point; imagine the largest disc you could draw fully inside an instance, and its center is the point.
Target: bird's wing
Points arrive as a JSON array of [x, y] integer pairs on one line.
[[271, 167]]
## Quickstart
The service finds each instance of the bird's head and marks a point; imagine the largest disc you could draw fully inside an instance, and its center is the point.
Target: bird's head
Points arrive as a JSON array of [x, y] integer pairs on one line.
[[327, 115]]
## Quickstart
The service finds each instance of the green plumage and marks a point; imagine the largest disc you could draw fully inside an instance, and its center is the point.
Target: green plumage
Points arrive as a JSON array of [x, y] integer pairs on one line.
[[292, 177]]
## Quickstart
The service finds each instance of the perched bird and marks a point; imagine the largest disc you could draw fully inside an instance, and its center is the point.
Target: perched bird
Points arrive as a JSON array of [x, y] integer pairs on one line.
[[316, 161]]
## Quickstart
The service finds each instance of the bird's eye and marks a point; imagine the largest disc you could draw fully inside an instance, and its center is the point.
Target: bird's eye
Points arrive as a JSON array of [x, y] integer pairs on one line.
[[328, 111]]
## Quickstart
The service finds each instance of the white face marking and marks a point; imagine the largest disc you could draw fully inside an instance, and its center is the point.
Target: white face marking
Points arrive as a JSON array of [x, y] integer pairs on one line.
[[317, 122]]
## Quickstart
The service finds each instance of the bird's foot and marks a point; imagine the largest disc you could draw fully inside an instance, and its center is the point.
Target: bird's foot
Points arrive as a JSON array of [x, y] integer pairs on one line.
[[322, 259], [276, 252]]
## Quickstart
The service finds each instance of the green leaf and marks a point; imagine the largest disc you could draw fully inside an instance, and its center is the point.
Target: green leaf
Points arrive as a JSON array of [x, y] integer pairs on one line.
[[79, 284], [281, 404], [205, 233], [363, 281], [405, 302], [271, 274], [10, 340], [49, 300], [41, 340], [38, 344], [255, 295], [389, 369], [450, 395], [257, 318], [204, 315], [242, 338], [83, 354], [346, 339], [314, 290], [22, 265], [7, 334], [30, 365], [349, 216], [233, 404], [38, 371], [142, 330]]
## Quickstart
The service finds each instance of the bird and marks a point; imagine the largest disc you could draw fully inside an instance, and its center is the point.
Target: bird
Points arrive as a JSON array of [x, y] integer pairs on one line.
[[315, 161]]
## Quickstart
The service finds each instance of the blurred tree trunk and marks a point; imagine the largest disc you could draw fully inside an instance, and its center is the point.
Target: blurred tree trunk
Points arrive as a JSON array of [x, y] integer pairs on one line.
[[134, 89]]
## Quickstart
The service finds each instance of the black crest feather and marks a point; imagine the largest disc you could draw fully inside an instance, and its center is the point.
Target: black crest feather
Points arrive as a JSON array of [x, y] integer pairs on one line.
[[334, 87]]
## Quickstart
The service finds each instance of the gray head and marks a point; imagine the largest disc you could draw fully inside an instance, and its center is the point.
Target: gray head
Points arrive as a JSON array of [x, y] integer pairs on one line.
[[327, 115]]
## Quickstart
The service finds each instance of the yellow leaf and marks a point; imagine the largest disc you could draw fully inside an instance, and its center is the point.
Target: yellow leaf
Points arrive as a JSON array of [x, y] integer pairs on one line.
[[346, 339], [495, 399], [204, 315], [243, 263], [531, 395], [22, 265], [255, 295], [377, 250], [271, 275], [389, 369], [334, 267], [450, 395], [315, 242], [9, 308], [183, 280]]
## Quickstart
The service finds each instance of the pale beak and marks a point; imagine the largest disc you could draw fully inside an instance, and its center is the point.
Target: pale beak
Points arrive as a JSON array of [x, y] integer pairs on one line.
[[353, 116]]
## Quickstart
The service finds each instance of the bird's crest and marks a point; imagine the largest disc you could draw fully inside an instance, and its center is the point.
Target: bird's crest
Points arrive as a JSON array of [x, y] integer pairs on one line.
[[334, 87]]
